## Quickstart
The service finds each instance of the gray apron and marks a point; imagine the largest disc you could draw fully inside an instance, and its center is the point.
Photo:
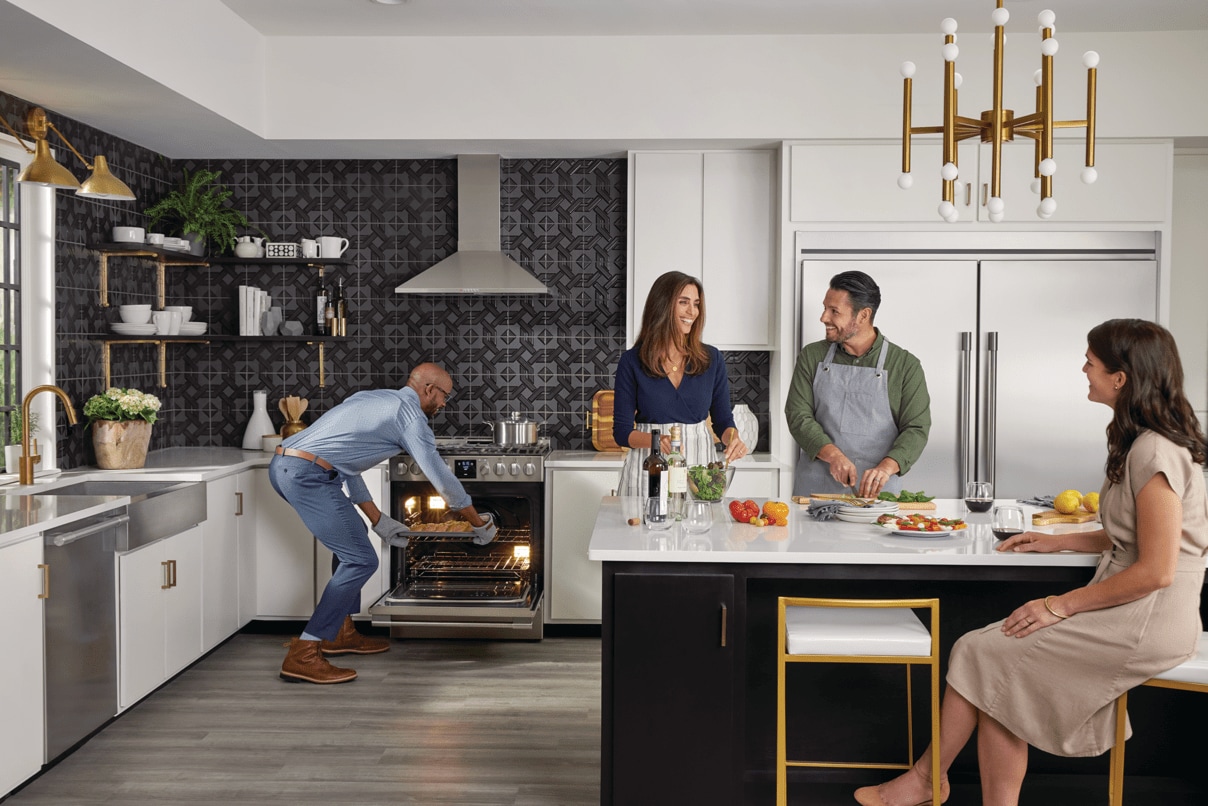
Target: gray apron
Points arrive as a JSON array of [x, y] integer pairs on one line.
[[852, 405], [697, 445]]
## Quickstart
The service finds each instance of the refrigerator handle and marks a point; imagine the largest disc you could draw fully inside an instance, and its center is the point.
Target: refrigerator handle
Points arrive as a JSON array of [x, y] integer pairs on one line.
[[991, 403], [965, 411]]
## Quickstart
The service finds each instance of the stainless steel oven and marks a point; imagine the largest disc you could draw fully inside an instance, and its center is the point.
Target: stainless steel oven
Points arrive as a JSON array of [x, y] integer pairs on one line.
[[442, 585]]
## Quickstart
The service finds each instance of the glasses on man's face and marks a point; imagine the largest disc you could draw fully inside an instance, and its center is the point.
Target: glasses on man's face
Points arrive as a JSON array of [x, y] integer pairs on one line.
[[444, 394]]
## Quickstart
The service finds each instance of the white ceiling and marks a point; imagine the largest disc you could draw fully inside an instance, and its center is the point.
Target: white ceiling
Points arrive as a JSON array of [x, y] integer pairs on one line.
[[694, 17], [46, 65]]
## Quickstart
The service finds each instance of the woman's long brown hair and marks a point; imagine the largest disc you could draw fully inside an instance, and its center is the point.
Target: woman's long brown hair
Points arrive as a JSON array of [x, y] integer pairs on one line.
[[660, 331], [1152, 397]]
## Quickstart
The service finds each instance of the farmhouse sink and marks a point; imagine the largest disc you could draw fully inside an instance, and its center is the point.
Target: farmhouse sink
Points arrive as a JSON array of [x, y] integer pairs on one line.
[[157, 509]]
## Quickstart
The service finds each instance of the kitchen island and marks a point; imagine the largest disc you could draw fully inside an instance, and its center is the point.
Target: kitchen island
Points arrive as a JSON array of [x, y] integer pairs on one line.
[[689, 653]]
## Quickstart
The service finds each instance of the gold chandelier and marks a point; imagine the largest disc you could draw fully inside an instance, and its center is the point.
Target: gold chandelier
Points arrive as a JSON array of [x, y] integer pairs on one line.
[[998, 125], [44, 170]]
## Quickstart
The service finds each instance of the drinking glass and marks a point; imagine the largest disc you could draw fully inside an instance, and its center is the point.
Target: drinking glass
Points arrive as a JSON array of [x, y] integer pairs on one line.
[[656, 515], [979, 496], [1006, 522], [700, 517]]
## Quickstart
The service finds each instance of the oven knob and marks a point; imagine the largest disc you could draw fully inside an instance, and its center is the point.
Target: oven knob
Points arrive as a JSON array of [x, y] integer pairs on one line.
[[515, 469], [499, 469], [413, 469], [529, 469], [484, 468]]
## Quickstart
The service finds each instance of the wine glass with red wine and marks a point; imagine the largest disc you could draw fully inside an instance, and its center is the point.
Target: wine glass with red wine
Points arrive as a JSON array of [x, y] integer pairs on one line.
[[1006, 522], [979, 496]]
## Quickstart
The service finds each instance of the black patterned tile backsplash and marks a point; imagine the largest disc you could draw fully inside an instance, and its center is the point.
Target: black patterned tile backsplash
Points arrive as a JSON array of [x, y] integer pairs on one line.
[[544, 356]]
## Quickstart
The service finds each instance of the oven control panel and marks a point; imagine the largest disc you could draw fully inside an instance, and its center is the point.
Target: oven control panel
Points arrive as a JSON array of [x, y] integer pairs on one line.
[[475, 468]]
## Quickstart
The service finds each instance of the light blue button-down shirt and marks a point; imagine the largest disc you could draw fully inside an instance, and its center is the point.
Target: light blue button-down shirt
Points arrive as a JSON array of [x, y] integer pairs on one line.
[[372, 426]]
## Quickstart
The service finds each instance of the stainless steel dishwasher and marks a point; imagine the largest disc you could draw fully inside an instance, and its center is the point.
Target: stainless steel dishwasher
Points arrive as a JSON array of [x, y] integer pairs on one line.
[[81, 628]]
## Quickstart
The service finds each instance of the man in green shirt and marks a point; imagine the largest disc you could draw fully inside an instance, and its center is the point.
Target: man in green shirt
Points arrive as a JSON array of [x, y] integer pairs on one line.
[[857, 406]]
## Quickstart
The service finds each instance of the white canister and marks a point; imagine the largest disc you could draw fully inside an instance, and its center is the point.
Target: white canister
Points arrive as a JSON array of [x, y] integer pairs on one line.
[[748, 426]]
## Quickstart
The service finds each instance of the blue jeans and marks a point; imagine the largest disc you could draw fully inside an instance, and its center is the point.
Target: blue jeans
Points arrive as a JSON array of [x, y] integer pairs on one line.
[[319, 499]]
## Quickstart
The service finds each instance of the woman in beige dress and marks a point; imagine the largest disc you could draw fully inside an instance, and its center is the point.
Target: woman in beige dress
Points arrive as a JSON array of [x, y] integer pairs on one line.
[[1049, 673]]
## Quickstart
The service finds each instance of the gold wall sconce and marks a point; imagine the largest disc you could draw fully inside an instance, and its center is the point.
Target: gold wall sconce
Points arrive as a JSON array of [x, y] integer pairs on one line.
[[101, 184]]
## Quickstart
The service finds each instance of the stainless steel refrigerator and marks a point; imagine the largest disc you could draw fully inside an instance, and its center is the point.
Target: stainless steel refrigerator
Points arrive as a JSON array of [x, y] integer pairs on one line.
[[1000, 327]]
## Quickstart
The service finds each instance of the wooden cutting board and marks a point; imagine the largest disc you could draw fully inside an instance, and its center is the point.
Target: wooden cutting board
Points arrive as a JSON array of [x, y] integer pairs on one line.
[[920, 506], [601, 421], [1050, 516]]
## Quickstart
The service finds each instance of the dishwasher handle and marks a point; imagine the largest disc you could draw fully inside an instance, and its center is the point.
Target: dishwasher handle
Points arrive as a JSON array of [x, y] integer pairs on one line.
[[61, 539]]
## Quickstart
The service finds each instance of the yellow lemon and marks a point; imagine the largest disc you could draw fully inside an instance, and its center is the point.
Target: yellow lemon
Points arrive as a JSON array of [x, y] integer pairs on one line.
[[1090, 502], [1067, 503]]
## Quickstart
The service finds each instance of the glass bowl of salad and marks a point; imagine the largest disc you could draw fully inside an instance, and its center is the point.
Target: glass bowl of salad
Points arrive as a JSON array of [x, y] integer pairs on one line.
[[710, 482]]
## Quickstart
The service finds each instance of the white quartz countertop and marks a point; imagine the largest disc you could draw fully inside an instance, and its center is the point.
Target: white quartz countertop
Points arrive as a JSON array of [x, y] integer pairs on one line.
[[600, 460], [806, 540], [28, 510]]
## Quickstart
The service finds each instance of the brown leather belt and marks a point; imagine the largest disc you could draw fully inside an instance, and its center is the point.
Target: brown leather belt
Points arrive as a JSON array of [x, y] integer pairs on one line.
[[310, 457]]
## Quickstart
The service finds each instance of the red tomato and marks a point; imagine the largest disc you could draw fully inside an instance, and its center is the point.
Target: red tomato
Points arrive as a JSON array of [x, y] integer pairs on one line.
[[738, 511]]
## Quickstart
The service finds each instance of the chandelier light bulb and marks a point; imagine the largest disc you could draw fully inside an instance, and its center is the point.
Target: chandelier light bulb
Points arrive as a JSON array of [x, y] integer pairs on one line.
[[1049, 47], [996, 217], [1048, 167], [1090, 59], [956, 216], [1035, 186], [1040, 213], [949, 172], [950, 52], [905, 181], [995, 205], [948, 26], [907, 69], [1038, 77], [1000, 17], [957, 80], [1089, 175], [1048, 206], [1046, 18], [946, 210]]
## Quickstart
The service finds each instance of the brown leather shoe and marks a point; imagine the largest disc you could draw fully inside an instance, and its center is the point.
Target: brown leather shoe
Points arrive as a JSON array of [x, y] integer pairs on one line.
[[350, 642], [305, 663]]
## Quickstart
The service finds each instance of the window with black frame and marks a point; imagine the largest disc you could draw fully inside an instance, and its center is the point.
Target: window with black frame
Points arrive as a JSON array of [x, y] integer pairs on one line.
[[10, 302]]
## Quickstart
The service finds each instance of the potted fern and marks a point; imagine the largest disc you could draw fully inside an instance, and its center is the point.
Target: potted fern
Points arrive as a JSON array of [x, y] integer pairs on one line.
[[198, 211]]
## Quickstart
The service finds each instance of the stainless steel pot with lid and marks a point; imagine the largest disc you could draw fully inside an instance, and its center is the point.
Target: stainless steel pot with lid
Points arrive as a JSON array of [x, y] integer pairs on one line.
[[514, 431]]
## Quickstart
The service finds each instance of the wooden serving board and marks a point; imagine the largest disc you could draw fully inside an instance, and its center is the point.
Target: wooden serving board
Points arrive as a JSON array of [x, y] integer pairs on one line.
[[601, 421], [920, 506], [1050, 516]]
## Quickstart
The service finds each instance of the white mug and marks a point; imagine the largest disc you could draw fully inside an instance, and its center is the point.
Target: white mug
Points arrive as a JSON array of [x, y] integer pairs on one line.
[[310, 247], [330, 246], [174, 323], [163, 322], [155, 238]]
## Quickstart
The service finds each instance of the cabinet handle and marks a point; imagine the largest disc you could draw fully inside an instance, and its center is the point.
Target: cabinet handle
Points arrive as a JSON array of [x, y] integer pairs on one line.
[[985, 194], [167, 579], [968, 193], [172, 569], [45, 594], [238, 504], [724, 613]]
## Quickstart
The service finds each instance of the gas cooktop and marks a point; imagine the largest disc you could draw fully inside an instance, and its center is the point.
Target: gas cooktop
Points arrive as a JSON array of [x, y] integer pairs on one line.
[[485, 446]]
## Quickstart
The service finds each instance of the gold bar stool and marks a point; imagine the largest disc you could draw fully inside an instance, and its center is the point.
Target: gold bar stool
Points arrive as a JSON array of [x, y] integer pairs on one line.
[[813, 630], [1191, 675]]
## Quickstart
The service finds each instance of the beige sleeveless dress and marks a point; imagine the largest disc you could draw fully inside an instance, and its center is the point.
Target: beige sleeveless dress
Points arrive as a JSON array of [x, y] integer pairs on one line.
[[1056, 688]]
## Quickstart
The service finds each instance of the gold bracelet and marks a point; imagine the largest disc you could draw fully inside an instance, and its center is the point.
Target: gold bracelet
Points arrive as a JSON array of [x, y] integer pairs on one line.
[[1049, 608]]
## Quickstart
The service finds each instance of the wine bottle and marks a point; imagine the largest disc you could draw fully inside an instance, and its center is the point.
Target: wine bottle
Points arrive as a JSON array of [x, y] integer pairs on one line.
[[329, 316], [341, 306], [656, 469], [321, 309], [677, 478]]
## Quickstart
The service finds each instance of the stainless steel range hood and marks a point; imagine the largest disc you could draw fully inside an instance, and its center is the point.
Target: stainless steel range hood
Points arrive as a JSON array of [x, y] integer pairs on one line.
[[478, 266]]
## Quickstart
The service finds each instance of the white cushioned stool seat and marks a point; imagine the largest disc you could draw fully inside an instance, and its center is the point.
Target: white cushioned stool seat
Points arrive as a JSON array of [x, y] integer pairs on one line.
[[1193, 670], [855, 631]]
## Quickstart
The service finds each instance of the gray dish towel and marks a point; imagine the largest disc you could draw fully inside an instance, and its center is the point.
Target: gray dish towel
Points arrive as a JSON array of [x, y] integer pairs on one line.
[[823, 510], [1045, 501]]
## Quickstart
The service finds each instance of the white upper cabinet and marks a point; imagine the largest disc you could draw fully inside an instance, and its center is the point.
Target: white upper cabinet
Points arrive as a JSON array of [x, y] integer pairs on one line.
[[712, 215], [857, 183]]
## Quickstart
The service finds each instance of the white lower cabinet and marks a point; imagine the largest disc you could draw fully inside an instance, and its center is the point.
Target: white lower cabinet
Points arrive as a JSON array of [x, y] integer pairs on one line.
[[226, 530], [159, 606], [23, 727], [572, 582]]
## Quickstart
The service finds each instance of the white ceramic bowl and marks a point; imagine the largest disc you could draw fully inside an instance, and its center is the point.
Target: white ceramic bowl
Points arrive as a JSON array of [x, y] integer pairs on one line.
[[128, 234], [135, 314], [185, 311]]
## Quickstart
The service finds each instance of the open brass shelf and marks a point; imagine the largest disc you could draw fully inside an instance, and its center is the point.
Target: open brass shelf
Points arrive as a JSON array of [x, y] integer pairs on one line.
[[162, 342], [161, 257]]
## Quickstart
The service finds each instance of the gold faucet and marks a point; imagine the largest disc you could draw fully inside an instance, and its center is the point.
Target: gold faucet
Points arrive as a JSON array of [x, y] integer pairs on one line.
[[26, 474]]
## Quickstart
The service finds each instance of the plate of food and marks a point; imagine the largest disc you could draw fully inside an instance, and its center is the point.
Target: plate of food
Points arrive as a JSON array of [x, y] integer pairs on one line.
[[916, 525]]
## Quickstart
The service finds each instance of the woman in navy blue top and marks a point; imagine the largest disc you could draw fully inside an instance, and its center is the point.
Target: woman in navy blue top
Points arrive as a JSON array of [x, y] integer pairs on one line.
[[669, 376]]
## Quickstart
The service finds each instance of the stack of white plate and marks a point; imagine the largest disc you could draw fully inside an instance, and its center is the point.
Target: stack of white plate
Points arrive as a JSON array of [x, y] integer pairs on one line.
[[192, 328], [125, 329], [868, 514]]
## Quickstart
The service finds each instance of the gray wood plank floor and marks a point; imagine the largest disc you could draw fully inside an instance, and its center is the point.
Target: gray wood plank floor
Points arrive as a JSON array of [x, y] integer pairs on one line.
[[496, 723]]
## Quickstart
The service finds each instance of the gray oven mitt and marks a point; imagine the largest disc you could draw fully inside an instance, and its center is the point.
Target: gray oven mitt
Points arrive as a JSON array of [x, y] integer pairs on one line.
[[391, 531], [486, 533]]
